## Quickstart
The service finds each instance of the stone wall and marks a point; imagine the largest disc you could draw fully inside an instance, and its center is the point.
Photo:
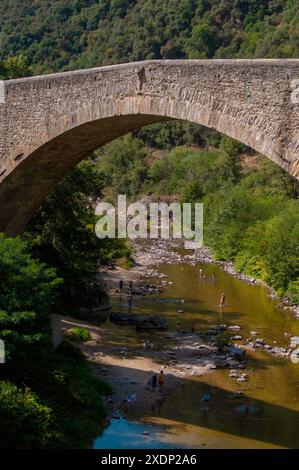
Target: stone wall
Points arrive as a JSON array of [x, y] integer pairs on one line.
[[49, 123]]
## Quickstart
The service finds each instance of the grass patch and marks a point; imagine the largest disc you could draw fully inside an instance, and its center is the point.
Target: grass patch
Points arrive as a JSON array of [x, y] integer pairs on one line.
[[78, 334]]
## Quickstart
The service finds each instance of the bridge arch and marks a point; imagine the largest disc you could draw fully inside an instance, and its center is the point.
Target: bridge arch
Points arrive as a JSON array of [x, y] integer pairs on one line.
[[50, 123]]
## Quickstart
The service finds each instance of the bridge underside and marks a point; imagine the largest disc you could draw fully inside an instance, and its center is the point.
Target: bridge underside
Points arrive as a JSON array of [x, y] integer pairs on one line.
[[24, 189]]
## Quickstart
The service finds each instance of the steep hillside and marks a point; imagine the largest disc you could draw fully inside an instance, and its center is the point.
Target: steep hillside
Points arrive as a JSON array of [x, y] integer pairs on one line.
[[64, 34]]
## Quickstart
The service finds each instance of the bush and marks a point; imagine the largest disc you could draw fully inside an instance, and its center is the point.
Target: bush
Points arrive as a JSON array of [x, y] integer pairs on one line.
[[25, 421], [78, 334]]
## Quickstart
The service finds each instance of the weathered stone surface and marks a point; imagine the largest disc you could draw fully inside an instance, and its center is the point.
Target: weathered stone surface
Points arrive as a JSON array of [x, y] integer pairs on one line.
[[49, 123]]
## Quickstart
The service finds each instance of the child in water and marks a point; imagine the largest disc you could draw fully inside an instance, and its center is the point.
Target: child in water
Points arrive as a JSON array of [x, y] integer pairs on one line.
[[154, 381]]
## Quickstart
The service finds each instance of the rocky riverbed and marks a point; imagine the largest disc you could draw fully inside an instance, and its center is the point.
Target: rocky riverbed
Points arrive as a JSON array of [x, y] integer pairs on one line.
[[149, 256], [140, 339]]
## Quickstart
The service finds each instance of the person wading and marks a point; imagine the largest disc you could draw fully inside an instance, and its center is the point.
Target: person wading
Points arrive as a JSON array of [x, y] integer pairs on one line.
[[161, 378], [222, 300]]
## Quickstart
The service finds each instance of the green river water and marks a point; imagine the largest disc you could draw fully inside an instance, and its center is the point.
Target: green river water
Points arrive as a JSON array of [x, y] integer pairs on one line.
[[272, 388]]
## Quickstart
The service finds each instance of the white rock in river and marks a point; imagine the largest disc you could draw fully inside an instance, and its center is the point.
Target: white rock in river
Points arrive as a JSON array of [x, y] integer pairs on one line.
[[211, 365], [294, 341], [259, 342], [242, 378], [233, 374], [234, 327], [295, 356]]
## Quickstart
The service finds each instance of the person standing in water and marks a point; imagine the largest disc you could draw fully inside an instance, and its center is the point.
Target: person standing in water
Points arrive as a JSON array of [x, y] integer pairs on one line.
[[121, 284], [161, 378], [222, 300], [154, 381], [193, 327], [178, 327]]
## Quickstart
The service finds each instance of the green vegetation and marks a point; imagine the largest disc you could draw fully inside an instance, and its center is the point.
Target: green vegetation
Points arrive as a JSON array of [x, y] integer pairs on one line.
[[79, 334], [49, 395], [63, 230], [64, 34], [251, 212], [223, 339], [14, 67]]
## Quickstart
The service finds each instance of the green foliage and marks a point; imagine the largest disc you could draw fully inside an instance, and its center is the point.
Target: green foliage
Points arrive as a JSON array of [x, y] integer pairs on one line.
[[79, 334], [14, 67], [250, 213], [25, 422], [27, 292], [293, 291], [31, 282], [64, 227], [48, 397], [222, 340], [124, 166], [62, 235], [57, 35], [203, 42]]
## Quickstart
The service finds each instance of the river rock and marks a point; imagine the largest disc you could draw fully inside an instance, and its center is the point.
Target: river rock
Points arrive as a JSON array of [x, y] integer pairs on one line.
[[234, 327], [259, 343], [280, 352], [233, 374], [123, 318], [211, 365], [222, 327], [151, 323], [242, 378], [294, 342], [238, 352], [294, 356]]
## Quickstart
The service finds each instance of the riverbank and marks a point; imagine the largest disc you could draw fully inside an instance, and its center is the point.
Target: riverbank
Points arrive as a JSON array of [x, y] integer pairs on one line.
[[181, 356]]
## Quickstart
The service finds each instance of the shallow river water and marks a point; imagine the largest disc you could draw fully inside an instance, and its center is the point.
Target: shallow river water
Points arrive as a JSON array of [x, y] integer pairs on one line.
[[273, 385]]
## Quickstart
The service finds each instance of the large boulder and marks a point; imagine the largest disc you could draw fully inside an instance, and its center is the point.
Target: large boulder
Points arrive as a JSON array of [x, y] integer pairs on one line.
[[100, 313], [151, 323], [123, 318]]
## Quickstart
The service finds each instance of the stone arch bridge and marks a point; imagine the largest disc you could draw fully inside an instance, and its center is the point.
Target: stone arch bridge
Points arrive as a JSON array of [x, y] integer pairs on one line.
[[49, 123]]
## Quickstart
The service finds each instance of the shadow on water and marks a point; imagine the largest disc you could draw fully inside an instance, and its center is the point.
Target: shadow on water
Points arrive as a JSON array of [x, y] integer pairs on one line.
[[243, 416]]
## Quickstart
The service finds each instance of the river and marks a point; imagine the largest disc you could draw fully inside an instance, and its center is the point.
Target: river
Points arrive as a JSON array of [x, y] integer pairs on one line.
[[271, 395]]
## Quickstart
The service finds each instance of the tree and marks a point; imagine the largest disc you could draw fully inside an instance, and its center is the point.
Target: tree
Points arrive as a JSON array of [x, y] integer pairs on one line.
[[14, 67]]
